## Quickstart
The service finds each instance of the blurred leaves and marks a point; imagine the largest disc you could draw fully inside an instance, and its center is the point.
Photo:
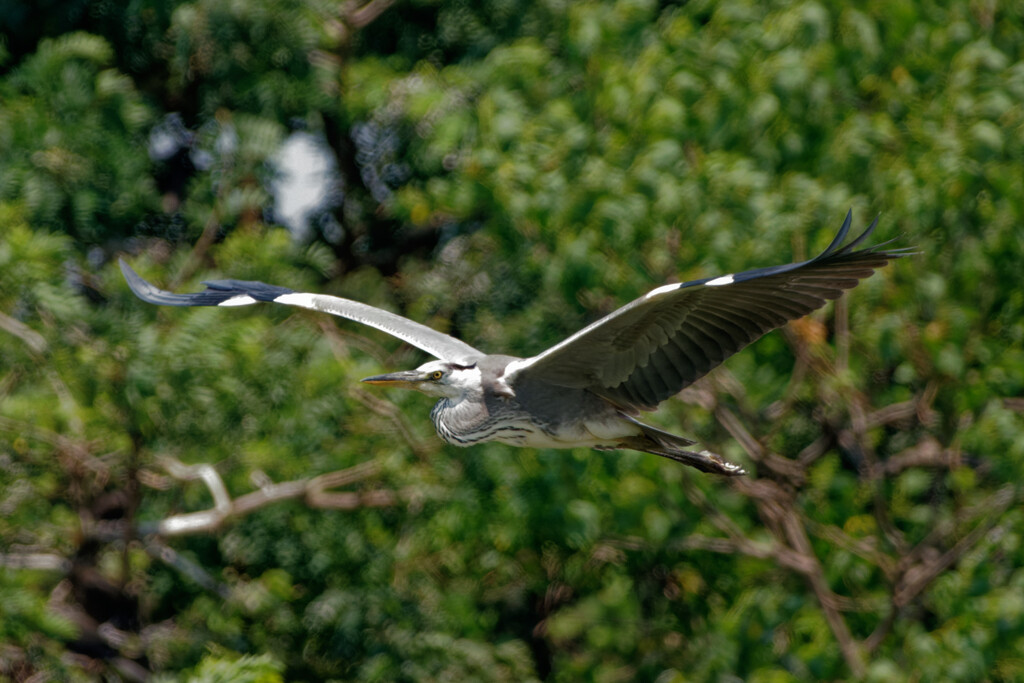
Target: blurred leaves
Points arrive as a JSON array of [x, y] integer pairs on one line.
[[509, 172], [71, 140]]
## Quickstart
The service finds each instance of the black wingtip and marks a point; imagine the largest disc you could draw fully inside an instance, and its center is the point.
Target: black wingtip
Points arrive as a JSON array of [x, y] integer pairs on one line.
[[835, 250], [152, 294], [217, 293], [127, 271], [843, 231], [863, 236], [145, 290]]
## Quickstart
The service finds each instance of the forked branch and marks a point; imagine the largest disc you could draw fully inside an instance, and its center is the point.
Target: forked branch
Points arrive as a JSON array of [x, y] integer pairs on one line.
[[314, 491]]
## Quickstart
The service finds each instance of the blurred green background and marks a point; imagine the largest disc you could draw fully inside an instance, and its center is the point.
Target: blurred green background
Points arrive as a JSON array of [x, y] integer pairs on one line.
[[507, 171]]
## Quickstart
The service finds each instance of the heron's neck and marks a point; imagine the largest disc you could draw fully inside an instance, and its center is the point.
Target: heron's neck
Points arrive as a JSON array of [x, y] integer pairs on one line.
[[455, 419]]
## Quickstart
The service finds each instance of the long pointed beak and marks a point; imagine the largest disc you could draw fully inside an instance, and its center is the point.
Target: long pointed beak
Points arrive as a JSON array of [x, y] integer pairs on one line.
[[406, 379]]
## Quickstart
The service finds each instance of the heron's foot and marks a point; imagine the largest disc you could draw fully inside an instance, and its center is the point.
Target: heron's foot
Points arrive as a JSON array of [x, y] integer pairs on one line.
[[705, 461], [718, 465]]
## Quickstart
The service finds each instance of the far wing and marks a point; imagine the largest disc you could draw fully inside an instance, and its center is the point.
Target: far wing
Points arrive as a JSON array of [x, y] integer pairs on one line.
[[246, 292], [651, 348]]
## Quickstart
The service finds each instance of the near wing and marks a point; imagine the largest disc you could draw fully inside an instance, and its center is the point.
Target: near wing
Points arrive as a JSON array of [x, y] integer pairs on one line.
[[245, 292], [651, 348]]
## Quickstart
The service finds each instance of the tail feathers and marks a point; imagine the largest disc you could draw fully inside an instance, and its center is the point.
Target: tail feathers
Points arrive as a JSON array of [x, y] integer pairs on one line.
[[658, 442]]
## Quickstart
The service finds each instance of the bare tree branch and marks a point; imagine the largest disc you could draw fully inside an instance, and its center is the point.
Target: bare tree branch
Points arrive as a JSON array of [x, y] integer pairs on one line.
[[926, 453], [76, 450], [797, 536], [339, 342], [777, 508], [742, 546], [171, 557], [736, 540], [313, 491], [793, 471], [197, 522], [841, 316], [341, 339], [864, 548], [41, 561], [814, 450], [919, 407], [35, 342], [365, 15], [872, 642], [910, 569], [389, 410], [918, 577]]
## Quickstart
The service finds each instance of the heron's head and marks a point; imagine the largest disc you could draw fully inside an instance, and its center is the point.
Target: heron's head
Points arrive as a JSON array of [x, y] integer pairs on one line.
[[437, 378]]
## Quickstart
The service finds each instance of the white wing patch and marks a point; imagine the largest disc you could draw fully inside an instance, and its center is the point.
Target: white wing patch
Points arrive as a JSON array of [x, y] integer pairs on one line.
[[517, 365], [510, 371], [240, 300], [719, 281], [664, 289], [301, 299], [504, 383]]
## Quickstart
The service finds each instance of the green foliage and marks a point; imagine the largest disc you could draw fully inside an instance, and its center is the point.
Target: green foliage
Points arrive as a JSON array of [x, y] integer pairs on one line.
[[510, 171], [246, 669], [250, 56], [72, 141]]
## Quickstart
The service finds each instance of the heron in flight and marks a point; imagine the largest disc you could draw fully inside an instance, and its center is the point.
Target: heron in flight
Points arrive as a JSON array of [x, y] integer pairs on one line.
[[587, 390]]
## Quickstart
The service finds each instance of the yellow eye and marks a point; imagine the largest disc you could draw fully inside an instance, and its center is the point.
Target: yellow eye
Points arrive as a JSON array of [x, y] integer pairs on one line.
[[436, 375]]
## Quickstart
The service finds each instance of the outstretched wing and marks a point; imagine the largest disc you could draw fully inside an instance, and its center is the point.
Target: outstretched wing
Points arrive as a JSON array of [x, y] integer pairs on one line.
[[245, 292], [651, 348]]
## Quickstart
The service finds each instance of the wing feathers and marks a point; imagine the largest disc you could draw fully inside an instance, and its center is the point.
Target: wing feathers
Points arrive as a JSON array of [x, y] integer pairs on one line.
[[654, 346], [245, 292]]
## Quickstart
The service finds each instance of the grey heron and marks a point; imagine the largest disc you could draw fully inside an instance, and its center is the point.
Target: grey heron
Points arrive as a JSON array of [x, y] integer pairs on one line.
[[587, 390]]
